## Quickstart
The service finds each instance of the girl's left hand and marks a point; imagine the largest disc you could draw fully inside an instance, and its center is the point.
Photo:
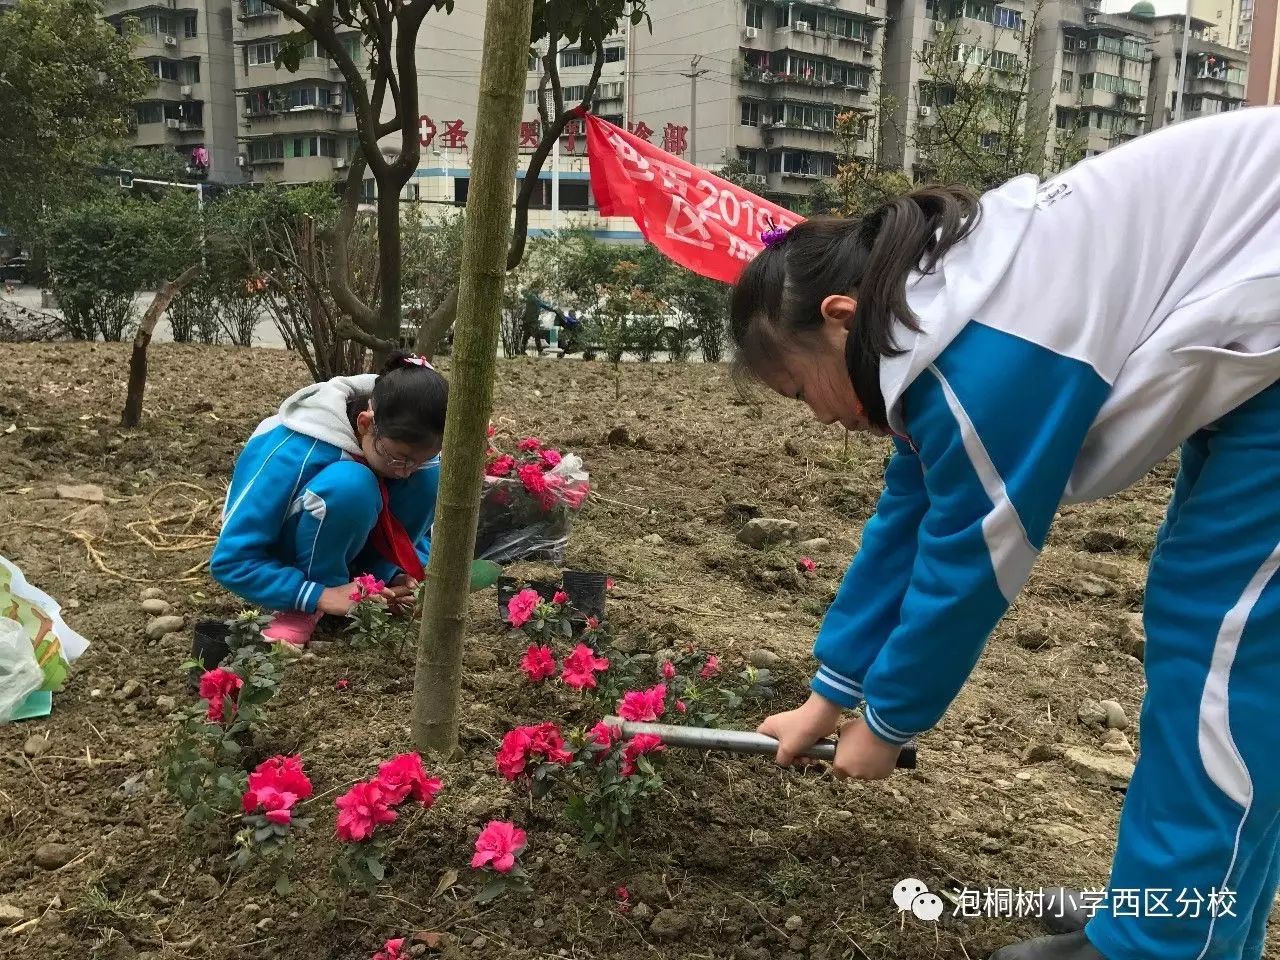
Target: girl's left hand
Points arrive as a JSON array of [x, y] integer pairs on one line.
[[862, 755], [399, 593]]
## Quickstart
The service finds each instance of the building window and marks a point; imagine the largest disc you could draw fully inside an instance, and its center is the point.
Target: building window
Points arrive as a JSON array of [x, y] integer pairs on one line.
[[1009, 19], [262, 53], [1003, 61], [256, 8], [575, 58], [149, 112], [348, 101], [531, 97], [1064, 118], [782, 17], [575, 94], [266, 150], [1067, 82], [750, 159], [189, 26], [989, 141], [614, 54], [534, 63], [755, 16], [976, 10], [750, 114], [301, 97]]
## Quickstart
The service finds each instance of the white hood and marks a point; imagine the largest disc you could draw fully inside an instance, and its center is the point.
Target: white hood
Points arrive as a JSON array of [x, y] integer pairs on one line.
[[320, 411]]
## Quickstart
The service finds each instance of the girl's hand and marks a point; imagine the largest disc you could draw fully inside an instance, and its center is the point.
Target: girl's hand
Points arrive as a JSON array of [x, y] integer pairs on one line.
[[337, 601], [798, 730], [862, 755], [399, 593]]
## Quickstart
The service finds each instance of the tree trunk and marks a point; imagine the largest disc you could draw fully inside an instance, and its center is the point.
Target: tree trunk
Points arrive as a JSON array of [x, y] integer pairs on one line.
[[438, 678], [387, 320], [138, 360]]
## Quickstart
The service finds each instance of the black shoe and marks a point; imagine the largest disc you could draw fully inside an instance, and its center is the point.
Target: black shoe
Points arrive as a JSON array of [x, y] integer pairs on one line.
[[1064, 946], [1064, 910]]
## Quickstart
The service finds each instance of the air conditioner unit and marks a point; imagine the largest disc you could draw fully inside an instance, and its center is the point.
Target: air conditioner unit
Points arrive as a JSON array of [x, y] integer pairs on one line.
[[340, 163], [240, 161], [186, 90], [751, 33], [170, 41], [925, 111], [803, 26], [172, 123]]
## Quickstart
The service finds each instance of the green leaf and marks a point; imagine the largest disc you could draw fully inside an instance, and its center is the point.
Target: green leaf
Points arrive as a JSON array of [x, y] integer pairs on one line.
[[284, 886], [484, 573], [375, 868]]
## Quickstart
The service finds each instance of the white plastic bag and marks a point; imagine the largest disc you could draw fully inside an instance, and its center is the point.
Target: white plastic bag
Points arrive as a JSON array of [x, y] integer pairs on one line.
[[517, 525], [20, 674]]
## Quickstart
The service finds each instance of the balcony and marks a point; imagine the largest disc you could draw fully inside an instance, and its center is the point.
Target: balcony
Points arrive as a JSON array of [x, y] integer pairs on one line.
[[300, 120], [1217, 89], [158, 134], [112, 8], [818, 43], [165, 46], [317, 69]]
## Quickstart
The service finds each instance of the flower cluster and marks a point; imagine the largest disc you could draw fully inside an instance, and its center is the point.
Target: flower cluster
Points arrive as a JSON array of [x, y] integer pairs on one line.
[[367, 806], [532, 746], [219, 687], [275, 787], [539, 471], [372, 623]]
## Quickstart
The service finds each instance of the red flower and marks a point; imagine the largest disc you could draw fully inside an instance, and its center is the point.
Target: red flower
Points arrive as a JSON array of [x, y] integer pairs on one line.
[[604, 734], [636, 747], [682, 707], [367, 585], [498, 846], [643, 705], [668, 669], [501, 467], [342, 684], [392, 950], [276, 805], [538, 663], [560, 597], [361, 810], [219, 687], [535, 482], [520, 607], [624, 899], [806, 564], [608, 583], [550, 459], [490, 430], [403, 776], [593, 623], [529, 445], [710, 668], [574, 494], [581, 667], [523, 745], [281, 773]]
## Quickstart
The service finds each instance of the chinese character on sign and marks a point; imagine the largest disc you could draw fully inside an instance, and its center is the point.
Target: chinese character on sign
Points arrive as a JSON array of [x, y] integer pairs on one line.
[[999, 900], [529, 133], [1030, 903], [1125, 903], [572, 131], [454, 136], [970, 902], [1191, 900], [675, 139], [1156, 905], [426, 130], [641, 130], [1222, 902]]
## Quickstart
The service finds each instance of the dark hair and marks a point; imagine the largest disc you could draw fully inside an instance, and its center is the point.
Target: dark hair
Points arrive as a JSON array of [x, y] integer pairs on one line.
[[870, 258], [409, 401]]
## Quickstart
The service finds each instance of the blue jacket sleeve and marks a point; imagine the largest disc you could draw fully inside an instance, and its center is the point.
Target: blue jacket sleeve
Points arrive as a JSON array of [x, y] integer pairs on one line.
[[245, 558], [865, 609], [998, 422]]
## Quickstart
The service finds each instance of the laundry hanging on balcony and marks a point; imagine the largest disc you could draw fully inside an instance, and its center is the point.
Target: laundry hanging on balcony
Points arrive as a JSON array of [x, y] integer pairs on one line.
[[695, 218]]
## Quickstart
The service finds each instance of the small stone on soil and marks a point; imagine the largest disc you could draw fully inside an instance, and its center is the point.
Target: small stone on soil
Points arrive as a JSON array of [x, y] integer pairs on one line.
[[1117, 742], [152, 593], [1105, 769], [764, 659], [478, 943], [794, 923], [89, 492], [131, 689], [162, 626], [814, 545], [653, 539], [1093, 587], [1117, 719], [156, 606], [641, 911], [51, 856], [990, 845], [669, 924], [11, 914], [166, 704], [766, 530], [36, 745], [1092, 714]]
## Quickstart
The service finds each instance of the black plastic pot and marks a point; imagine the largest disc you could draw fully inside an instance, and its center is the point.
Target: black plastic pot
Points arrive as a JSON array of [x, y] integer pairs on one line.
[[586, 590], [208, 647]]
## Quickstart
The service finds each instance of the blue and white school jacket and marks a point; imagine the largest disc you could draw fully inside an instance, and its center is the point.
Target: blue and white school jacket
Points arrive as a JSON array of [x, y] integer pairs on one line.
[[1087, 326], [254, 554]]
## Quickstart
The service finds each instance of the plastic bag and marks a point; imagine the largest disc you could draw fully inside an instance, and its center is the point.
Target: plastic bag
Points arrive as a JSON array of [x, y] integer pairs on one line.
[[20, 673], [55, 644], [523, 520]]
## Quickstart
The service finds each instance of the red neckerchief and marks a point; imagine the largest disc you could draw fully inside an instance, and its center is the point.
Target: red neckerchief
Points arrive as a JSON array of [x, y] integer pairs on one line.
[[390, 538]]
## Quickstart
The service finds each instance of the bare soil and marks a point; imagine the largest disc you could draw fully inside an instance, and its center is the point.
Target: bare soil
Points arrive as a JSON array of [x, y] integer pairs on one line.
[[736, 847]]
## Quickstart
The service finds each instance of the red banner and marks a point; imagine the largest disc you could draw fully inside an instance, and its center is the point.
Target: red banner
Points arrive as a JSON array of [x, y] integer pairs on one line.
[[697, 219]]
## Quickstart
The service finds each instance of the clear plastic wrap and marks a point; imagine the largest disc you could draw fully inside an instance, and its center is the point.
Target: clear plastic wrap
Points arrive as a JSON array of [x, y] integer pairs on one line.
[[20, 673], [527, 512]]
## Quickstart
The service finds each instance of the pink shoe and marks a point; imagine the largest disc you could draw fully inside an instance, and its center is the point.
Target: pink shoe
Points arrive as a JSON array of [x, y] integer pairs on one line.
[[292, 627]]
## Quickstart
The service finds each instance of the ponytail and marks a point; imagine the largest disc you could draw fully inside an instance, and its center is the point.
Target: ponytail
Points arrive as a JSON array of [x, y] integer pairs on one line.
[[781, 291]]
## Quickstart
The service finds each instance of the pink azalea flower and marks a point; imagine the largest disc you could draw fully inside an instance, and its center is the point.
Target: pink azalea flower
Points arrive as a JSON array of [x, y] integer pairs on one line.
[[806, 564], [574, 494], [538, 663], [668, 669], [581, 667], [520, 607], [283, 774], [404, 776], [276, 805], [608, 583], [643, 706], [593, 623], [498, 845], [710, 668], [529, 445], [550, 459], [560, 598], [624, 899], [342, 684], [522, 745], [682, 707], [535, 482], [367, 585], [637, 747], [501, 467], [490, 430], [392, 950], [360, 811], [604, 734], [219, 687]]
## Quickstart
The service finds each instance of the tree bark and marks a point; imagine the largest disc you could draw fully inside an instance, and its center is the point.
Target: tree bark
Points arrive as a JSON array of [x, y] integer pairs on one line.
[[138, 359], [438, 677]]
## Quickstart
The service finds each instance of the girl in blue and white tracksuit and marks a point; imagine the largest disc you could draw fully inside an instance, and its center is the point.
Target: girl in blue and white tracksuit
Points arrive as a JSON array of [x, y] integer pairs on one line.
[[1049, 344], [341, 481]]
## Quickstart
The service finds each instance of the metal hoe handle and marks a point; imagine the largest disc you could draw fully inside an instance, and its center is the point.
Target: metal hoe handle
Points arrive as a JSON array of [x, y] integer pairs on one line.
[[737, 741]]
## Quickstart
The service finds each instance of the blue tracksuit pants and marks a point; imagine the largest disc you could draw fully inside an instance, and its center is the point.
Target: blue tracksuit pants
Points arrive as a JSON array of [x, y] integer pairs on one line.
[[337, 510], [1201, 822]]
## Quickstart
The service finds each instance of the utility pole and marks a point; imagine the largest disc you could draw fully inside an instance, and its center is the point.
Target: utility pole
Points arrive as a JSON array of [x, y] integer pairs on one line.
[[693, 75], [1182, 70]]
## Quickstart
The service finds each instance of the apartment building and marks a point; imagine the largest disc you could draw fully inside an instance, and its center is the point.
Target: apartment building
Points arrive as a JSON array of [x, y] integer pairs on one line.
[[1260, 38], [1215, 80], [186, 44]]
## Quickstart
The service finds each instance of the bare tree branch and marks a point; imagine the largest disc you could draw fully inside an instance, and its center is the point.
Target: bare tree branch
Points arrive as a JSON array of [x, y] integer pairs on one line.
[[340, 278]]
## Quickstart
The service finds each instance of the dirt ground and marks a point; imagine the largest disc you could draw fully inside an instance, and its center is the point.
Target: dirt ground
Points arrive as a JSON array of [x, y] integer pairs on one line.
[[754, 861]]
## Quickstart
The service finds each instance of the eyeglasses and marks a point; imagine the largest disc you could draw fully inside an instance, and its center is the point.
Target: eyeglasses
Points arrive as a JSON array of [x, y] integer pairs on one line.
[[395, 463]]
